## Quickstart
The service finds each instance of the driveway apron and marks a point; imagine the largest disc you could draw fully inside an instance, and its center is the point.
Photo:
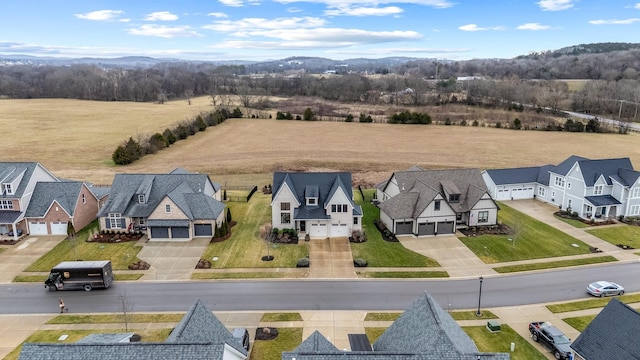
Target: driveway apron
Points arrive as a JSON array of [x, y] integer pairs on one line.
[[331, 258], [172, 260], [20, 256]]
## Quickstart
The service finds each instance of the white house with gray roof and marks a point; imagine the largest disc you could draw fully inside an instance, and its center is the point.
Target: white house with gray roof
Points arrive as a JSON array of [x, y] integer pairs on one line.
[[318, 204], [177, 206], [423, 332], [432, 202], [199, 335], [594, 189]]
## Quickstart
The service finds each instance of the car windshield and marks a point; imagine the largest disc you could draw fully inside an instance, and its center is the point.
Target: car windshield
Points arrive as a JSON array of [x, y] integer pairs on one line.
[[561, 339]]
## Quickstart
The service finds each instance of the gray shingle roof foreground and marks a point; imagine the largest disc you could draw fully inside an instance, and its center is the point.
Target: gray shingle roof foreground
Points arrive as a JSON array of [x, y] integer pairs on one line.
[[12, 170], [613, 334], [423, 332], [65, 193], [199, 335]]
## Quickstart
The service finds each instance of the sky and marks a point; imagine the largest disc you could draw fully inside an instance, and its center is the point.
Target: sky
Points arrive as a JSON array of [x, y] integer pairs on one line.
[[258, 30]]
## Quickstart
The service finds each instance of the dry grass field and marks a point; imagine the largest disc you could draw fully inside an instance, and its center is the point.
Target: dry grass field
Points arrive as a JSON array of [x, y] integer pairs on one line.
[[75, 139]]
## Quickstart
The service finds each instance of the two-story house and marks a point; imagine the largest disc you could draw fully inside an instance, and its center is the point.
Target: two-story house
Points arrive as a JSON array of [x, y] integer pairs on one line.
[[17, 182], [432, 202], [177, 206], [594, 189], [318, 204]]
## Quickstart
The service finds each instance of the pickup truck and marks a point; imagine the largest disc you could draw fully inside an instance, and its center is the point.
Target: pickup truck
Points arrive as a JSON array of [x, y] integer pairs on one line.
[[551, 337]]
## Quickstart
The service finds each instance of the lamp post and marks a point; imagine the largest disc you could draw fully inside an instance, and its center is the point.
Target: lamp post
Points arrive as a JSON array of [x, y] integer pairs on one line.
[[478, 313]]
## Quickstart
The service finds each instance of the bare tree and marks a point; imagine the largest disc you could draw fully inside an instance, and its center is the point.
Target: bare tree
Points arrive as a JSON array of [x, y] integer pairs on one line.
[[188, 94], [126, 306], [267, 235]]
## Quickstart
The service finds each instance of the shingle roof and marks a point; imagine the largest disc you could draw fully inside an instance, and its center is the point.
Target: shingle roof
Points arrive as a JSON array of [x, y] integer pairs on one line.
[[185, 190], [627, 177], [320, 184], [602, 200], [520, 175], [11, 170], [613, 334], [594, 169], [65, 193], [564, 167], [418, 188], [199, 335]]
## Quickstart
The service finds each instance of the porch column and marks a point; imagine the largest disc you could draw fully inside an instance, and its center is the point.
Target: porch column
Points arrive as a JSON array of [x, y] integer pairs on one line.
[[15, 231]]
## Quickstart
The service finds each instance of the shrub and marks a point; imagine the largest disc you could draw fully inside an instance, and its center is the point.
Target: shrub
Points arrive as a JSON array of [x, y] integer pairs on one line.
[[308, 115], [169, 136], [359, 262], [474, 123], [357, 236], [303, 263]]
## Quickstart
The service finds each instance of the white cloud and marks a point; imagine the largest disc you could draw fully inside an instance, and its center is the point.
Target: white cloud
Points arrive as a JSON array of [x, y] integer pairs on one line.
[[555, 5], [636, 6], [614, 21], [439, 4], [161, 16], [261, 23], [533, 26], [100, 15], [217, 14], [239, 3], [364, 11], [164, 31], [475, 27], [293, 9]]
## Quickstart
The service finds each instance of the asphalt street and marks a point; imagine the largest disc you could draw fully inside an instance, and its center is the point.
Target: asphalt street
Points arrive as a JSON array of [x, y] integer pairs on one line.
[[275, 295]]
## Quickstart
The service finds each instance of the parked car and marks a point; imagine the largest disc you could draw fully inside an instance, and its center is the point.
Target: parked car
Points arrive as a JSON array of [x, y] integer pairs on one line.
[[551, 337], [604, 288], [242, 336]]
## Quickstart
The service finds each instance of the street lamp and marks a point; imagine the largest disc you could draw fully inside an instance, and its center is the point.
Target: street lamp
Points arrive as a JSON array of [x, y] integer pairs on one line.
[[478, 313]]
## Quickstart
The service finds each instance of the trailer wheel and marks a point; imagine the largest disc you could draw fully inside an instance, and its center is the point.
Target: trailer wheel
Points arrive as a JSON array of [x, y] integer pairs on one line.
[[87, 287], [53, 288]]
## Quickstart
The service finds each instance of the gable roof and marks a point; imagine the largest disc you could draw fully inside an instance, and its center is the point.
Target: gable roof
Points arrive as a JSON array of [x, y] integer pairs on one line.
[[65, 193], [627, 177], [9, 171], [539, 174], [185, 190], [607, 168], [423, 332], [319, 184], [564, 167], [199, 335], [613, 334], [418, 188]]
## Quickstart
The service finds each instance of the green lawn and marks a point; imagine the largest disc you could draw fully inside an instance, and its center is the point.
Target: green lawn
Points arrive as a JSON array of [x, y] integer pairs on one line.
[[575, 223], [376, 251], [245, 275], [116, 318], [288, 339], [276, 317], [501, 342], [625, 235], [471, 315], [579, 323], [382, 316], [402, 274], [120, 254], [554, 264], [373, 333], [245, 248], [531, 239]]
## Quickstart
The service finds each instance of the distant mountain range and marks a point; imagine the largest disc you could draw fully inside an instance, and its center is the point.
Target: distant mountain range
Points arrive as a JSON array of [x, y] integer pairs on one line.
[[595, 48]]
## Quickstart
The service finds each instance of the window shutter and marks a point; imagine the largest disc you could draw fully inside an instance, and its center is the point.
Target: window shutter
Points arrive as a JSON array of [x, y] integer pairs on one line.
[[107, 223], [123, 223]]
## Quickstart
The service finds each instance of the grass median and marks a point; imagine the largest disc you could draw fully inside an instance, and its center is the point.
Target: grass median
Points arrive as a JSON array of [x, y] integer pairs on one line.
[[591, 304], [619, 235], [554, 264]]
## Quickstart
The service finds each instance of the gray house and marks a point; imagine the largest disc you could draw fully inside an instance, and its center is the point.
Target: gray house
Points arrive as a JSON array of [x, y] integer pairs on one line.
[[423, 332], [432, 202], [613, 334], [594, 189], [318, 204], [199, 335], [177, 206]]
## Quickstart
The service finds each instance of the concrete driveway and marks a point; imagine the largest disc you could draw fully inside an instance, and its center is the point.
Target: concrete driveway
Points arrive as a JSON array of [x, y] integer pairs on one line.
[[172, 260], [16, 258], [331, 258]]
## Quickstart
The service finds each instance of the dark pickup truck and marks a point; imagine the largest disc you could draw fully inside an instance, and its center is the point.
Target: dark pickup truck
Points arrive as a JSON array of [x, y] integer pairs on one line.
[[551, 337]]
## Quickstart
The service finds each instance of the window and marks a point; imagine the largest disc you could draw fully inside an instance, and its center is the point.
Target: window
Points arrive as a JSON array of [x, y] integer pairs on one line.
[[334, 208], [84, 199], [311, 201], [115, 220], [483, 216], [458, 216], [344, 208], [597, 190], [6, 205], [568, 185], [167, 208], [636, 192], [285, 218], [541, 191], [142, 221], [559, 181], [141, 199], [569, 203], [339, 208], [635, 210], [454, 198], [436, 205], [8, 189], [285, 206], [355, 221]]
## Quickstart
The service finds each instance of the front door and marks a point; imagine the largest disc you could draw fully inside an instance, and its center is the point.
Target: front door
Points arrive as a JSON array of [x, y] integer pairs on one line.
[[303, 226]]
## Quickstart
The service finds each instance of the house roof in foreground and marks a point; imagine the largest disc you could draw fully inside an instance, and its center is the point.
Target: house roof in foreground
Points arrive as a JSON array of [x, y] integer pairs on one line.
[[613, 334], [423, 332], [199, 335]]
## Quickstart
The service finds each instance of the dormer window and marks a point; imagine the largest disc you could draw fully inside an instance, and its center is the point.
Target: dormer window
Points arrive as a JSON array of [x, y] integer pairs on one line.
[[8, 189], [141, 199], [454, 198], [311, 201]]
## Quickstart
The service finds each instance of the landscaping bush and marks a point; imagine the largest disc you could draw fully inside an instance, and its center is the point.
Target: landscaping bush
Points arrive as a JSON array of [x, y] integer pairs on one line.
[[358, 262], [266, 333], [357, 236], [303, 263]]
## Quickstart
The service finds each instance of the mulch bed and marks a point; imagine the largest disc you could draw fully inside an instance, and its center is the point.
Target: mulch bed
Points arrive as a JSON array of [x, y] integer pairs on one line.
[[266, 333], [499, 229]]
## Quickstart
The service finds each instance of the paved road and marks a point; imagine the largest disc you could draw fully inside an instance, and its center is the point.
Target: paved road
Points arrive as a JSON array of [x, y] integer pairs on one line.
[[274, 295]]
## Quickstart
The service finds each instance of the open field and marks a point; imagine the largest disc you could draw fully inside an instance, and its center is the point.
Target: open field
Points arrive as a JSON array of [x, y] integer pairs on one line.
[[75, 139]]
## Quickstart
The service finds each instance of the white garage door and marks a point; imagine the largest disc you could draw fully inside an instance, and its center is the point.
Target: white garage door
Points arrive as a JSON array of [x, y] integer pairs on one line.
[[339, 230], [318, 230], [59, 228], [524, 192], [37, 228], [503, 194]]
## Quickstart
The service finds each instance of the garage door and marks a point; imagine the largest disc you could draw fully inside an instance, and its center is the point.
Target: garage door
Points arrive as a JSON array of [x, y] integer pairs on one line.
[[37, 228], [59, 228], [203, 230], [445, 227], [339, 230], [522, 193], [318, 230], [405, 227], [161, 232], [179, 232], [427, 228]]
